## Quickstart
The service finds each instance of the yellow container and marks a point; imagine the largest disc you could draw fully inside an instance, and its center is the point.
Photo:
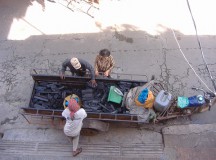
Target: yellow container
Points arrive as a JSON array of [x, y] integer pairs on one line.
[[68, 99]]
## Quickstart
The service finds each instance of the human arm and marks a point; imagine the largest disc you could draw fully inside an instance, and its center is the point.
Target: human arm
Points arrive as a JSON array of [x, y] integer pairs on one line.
[[112, 64], [81, 113], [96, 66], [64, 67], [66, 113]]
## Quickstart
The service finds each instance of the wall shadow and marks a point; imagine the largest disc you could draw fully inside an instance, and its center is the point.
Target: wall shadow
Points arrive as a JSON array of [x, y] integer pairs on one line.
[[11, 9], [123, 40]]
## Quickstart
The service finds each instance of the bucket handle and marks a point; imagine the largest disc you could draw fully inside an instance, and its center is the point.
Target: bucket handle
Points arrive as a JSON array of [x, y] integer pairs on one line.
[[118, 91]]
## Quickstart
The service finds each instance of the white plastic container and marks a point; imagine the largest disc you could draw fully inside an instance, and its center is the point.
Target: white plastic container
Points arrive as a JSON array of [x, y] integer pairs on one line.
[[162, 101]]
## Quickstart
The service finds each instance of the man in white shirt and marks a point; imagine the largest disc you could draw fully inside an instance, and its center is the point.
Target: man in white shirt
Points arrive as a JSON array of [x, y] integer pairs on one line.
[[74, 116]]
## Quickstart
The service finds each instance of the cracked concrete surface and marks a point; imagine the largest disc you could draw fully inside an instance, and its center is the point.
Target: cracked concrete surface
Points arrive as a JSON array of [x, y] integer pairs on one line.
[[135, 51], [138, 37]]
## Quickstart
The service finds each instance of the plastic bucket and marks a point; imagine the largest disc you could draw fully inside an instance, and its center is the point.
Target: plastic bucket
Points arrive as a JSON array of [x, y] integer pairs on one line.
[[115, 95]]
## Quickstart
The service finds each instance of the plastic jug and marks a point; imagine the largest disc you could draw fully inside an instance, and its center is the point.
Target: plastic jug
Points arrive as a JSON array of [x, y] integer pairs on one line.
[[196, 101], [162, 101]]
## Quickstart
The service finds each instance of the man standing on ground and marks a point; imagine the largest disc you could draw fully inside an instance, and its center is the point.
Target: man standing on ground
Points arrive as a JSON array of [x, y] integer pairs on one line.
[[78, 67]]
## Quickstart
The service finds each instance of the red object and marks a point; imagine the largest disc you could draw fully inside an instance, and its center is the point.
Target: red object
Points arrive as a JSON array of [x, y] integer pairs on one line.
[[73, 107]]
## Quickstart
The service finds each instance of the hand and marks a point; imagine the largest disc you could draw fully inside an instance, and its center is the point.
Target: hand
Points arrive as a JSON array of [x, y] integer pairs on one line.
[[62, 76], [93, 83], [96, 73], [106, 73]]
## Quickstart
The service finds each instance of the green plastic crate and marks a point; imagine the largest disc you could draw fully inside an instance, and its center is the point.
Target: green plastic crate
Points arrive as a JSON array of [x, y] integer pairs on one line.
[[115, 95]]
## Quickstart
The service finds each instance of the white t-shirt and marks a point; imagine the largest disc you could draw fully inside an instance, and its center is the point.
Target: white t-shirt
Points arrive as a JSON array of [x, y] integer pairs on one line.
[[72, 127]]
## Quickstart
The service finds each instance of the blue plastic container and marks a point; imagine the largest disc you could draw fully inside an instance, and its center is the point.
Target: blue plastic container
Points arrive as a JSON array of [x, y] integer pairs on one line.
[[196, 101]]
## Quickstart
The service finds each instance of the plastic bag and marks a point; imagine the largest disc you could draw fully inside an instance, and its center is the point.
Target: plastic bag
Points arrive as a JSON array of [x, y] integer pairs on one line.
[[143, 95], [183, 102], [148, 102]]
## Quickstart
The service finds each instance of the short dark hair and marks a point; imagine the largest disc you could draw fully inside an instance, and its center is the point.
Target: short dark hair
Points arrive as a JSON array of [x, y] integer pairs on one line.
[[104, 52]]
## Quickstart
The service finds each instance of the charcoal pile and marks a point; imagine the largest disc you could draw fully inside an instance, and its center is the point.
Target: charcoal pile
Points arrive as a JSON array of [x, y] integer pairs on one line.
[[95, 100], [51, 95]]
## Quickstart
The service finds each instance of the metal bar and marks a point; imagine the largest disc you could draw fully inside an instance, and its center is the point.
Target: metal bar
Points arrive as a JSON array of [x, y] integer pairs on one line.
[[25, 118], [111, 120], [54, 114], [35, 71], [75, 79], [60, 117], [49, 116]]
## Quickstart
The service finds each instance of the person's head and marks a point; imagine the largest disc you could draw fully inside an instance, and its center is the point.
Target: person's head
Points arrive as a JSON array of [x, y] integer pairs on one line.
[[73, 106], [75, 63], [104, 53]]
